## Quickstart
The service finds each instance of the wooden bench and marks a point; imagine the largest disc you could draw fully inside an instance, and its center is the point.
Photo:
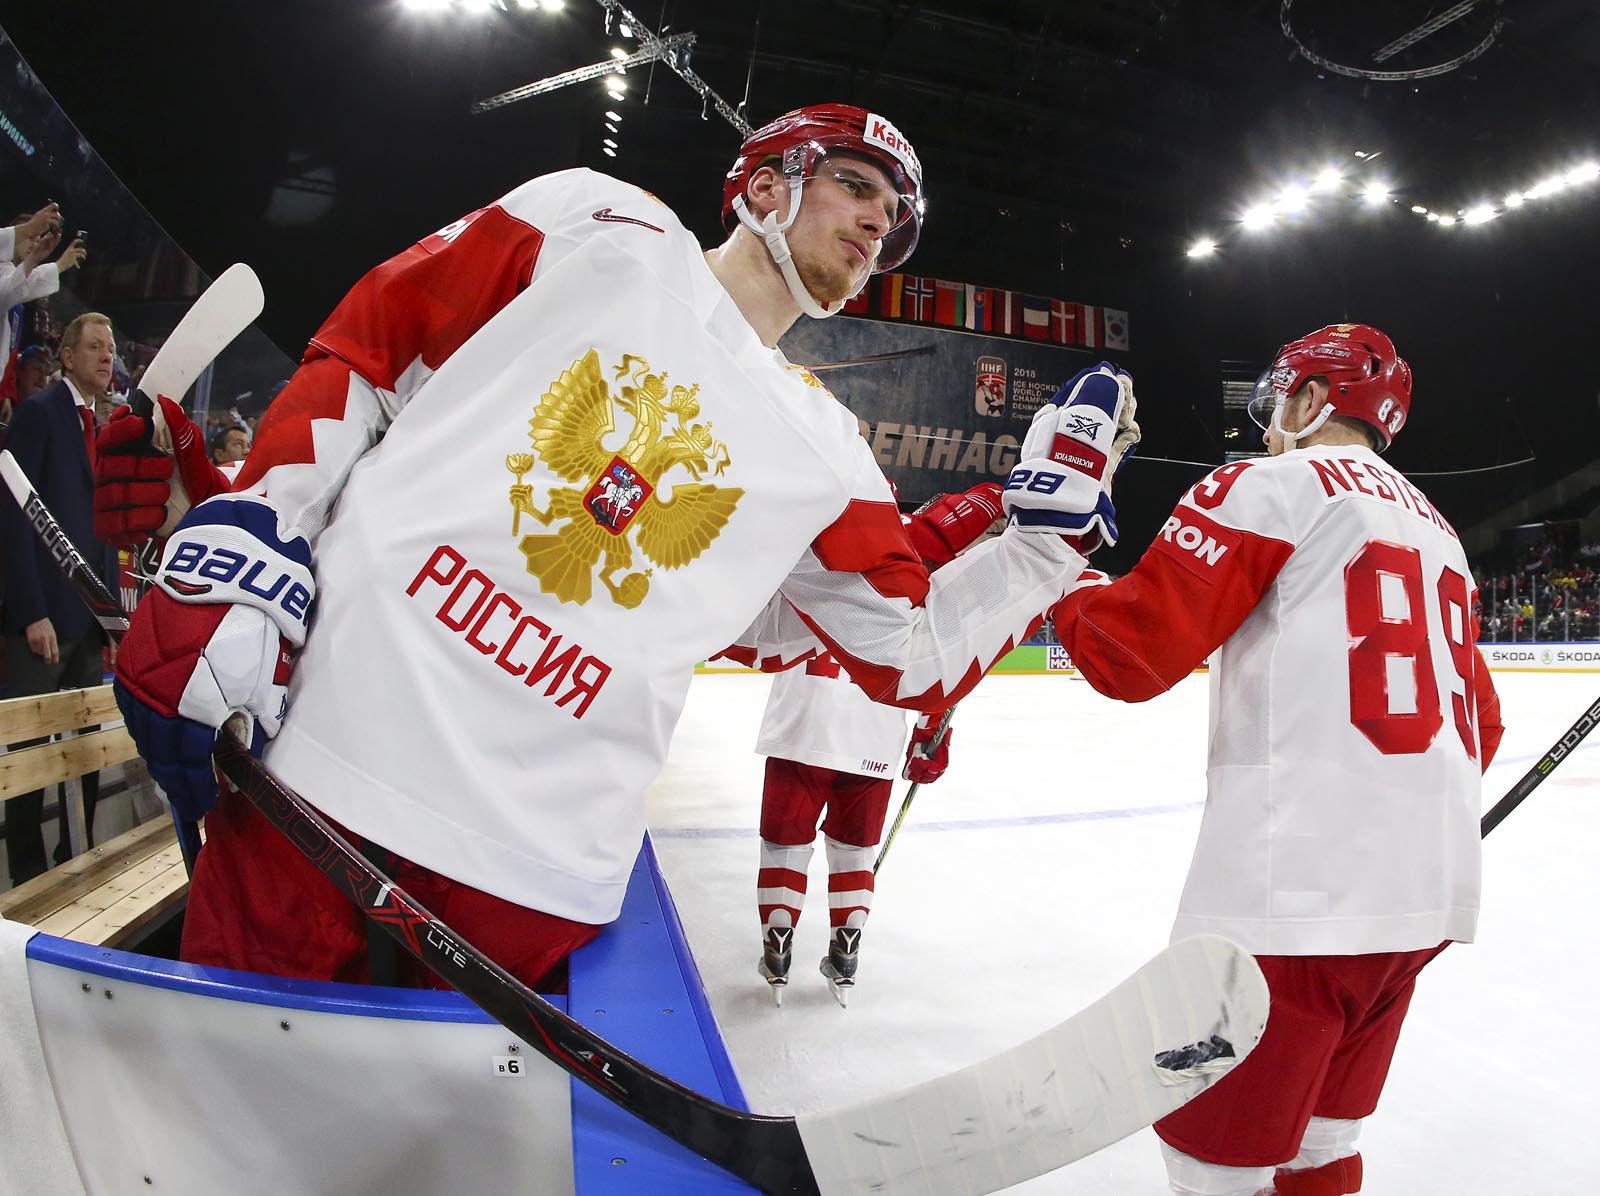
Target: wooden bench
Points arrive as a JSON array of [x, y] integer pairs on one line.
[[114, 893]]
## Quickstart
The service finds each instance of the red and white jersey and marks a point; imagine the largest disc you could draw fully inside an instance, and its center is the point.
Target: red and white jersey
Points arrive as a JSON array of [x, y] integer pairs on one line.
[[546, 465], [1351, 713], [816, 715]]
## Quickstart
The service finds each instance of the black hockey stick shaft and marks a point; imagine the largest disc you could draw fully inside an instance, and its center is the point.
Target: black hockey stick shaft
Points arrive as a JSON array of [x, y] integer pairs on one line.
[[97, 596], [1543, 767], [905, 806], [766, 1152]]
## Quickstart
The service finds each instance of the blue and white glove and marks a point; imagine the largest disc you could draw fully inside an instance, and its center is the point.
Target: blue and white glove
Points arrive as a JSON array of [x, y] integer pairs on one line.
[[215, 637], [1062, 481]]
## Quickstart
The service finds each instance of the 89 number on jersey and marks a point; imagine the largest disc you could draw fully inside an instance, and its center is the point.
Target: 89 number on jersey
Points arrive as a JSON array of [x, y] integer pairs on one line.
[[1378, 635]]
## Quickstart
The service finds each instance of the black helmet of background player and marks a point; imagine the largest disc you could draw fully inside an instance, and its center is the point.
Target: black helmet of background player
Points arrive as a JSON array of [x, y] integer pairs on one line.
[[1367, 381], [793, 144]]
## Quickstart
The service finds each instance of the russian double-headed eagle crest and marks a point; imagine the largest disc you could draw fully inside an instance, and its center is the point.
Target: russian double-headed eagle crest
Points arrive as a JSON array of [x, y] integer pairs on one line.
[[621, 490]]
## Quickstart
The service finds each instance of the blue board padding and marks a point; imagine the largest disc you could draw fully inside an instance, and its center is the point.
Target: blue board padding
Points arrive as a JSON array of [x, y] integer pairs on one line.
[[636, 985], [360, 1000]]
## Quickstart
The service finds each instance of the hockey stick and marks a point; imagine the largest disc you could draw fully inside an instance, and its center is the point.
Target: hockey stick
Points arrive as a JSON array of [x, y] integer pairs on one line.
[[1164, 1035], [226, 308], [1542, 768], [94, 592], [905, 806]]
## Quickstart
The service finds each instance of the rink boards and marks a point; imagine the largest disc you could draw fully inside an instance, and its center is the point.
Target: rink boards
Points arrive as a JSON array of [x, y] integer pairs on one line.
[[184, 1080]]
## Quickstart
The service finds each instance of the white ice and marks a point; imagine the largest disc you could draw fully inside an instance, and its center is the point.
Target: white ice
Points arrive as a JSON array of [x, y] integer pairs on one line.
[[1046, 865]]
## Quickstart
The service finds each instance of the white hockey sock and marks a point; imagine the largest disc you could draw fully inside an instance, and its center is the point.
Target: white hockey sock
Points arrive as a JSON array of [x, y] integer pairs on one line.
[[1188, 1176], [781, 882], [850, 884], [1326, 1140]]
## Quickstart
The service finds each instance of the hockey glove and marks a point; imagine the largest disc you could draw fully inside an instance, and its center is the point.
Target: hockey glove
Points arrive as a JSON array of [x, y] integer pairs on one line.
[[925, 760], [134, 498], [1062, 482], [947, 525], [215, 636]]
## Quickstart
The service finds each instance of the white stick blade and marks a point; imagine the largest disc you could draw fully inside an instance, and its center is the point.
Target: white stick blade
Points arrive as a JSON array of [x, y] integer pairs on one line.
[[226, 309], [1161, 1037]]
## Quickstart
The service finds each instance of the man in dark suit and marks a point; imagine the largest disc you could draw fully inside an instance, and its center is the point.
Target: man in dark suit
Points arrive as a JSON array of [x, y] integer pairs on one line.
[[52, 641]]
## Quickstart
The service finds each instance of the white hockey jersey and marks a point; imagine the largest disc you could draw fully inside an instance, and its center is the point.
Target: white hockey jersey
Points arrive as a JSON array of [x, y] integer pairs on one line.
[[546, 465], [1343, 784], [816, 715]]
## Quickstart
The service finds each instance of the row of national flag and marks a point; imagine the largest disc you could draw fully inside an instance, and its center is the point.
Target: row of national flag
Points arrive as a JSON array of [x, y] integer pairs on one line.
[[918, 299]]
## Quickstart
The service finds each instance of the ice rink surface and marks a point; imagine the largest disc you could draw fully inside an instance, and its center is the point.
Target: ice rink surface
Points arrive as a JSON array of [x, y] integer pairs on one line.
[[1047, 864]]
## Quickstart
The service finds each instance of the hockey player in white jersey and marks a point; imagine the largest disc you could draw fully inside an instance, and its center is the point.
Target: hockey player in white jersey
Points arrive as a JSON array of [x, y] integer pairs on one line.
[[1351, 717], [831, 752], [529, 472]]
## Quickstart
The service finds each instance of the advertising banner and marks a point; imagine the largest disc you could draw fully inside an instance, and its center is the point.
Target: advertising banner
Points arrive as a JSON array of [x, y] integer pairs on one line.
[[943, 409]]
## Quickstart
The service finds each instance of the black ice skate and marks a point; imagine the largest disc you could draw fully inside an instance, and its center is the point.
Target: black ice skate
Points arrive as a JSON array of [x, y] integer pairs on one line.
[[774, 966], [839, 964]]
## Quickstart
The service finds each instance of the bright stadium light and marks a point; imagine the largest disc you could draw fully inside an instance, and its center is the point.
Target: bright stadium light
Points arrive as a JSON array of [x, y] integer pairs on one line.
[[1202, 248], [1481, 214], [1547, 186], [1375, 193], [1327, 180], [1419, 209], [1585, 173], [618, 52], [608, 141], [1513, 199], [1292, 200], [613, 116], [1258, 216], [1447, 219], [608, 151], [425, 5]]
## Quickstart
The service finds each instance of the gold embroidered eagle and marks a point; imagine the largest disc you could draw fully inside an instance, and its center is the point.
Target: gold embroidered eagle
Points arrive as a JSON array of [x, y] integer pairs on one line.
[[569, 428]]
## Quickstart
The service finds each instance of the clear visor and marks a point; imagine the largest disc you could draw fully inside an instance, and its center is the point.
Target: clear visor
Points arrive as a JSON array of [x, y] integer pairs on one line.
[[1270, 389], [901, 210]]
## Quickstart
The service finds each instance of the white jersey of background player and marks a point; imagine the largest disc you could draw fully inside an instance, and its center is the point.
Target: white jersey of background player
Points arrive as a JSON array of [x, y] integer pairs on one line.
[[534, 469], [831, 753], [1351, 717]]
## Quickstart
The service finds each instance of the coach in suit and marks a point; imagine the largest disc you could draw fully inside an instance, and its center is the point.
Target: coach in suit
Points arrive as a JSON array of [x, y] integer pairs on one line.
[[52, 641]]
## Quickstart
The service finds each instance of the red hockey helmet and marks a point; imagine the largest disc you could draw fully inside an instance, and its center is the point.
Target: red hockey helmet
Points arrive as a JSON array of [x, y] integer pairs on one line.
[[1367, 379], [793, 143]]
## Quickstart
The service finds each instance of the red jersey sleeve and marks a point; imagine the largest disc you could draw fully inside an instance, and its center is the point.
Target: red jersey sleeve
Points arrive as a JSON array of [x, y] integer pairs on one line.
[[1140, 635], [396, 327]]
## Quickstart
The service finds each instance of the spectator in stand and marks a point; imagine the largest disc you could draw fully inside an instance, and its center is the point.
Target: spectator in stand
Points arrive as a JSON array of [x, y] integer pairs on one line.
[[229, 444], [52, 641], [26, 276]]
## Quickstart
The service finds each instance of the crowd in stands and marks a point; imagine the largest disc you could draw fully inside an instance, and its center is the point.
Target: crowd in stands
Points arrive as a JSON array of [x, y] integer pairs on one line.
[[1548, 593]]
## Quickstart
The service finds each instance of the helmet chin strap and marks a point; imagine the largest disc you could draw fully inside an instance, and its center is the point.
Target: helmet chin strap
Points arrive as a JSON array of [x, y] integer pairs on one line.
[[1291, 439], [772, 232]]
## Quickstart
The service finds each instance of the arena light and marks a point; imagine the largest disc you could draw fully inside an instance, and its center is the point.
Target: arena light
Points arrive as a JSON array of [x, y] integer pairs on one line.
[[1328, 180], [1513, 199], [1480, 214], [1447, 219], [1419, 209], [1586, 172], [1204, 247], [553, 5], [1547, 186], [616, 83], [1293, 199], [614, 116], [425, 5], [618, 52], [1258, 216], [608, 151], [610, 128], [1375, 194], [608, 141]]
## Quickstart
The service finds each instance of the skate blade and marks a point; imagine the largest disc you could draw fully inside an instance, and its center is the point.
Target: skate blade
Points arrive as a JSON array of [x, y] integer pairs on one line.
[[841, 992]]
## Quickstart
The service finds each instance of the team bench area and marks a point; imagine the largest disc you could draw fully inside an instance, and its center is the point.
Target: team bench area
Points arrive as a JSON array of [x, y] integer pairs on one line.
[[118, 892]]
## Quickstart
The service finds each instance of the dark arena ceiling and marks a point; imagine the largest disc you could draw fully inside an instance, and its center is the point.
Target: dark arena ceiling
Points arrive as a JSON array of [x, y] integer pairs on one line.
[[1071, 149]]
